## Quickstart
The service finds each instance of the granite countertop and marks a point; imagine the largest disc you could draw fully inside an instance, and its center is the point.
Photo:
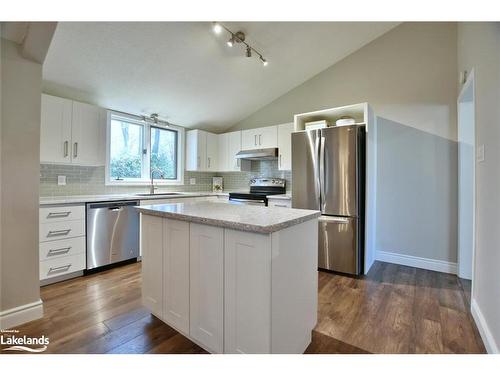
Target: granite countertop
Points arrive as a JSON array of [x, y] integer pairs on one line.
[[286, 196], [240, 217], [75, 199]]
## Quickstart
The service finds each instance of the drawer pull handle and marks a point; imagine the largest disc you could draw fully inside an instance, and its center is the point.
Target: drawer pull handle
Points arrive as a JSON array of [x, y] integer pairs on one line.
[[53, 233], [58, 214], [62, 250], [60, 269], [280, 205]]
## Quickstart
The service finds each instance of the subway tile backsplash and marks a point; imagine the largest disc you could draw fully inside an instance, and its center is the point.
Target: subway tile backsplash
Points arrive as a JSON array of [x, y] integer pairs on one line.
[[81, 180]]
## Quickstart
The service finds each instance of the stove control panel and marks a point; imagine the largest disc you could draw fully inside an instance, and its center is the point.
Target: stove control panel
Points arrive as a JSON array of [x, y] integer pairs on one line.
[[268, 181]]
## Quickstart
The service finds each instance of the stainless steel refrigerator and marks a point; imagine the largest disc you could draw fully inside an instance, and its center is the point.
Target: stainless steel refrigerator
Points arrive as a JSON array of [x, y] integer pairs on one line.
[[328, 174]]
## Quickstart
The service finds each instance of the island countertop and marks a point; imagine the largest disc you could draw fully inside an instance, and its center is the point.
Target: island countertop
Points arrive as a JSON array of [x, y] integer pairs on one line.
[[240, 217]]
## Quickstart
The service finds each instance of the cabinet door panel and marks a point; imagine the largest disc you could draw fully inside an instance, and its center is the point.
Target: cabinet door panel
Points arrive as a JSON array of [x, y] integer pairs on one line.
[[152, 264], [247, 292], [207, 286], [285, 146], [176, 274], [234, 146], [223, 149], [268, 137], [55, 130], [249, 139], [212, 151], [88, 134]]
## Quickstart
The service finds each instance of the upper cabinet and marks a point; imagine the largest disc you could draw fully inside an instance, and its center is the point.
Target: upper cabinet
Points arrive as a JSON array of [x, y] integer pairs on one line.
[[229, 146], [266, 137], [71, 132], [202, 151], [285, 146]]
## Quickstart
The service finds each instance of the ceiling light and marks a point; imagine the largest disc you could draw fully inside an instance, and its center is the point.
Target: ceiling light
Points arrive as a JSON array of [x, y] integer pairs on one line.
[[238, 38], [217, 28]]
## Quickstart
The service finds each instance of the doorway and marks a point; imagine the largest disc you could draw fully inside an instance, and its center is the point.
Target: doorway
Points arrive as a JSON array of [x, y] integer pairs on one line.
[[466, 178]]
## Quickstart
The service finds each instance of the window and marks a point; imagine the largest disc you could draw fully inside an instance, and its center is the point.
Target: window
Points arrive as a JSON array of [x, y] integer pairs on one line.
[[137, 149]]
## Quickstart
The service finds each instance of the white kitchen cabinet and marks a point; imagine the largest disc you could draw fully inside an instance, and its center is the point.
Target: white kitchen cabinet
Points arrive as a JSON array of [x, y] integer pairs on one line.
[[88, 134], [229, 145], [152, 264], [223, 152], [55, 130], [207, 286], [201, 151], [285, 146], [212, 152], [176, 274], [247, 292], [71, 132], [266, 137]]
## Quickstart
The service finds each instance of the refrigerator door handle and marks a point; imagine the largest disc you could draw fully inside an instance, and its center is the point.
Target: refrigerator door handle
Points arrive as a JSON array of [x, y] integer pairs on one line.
[[333, 219], [321, 171]]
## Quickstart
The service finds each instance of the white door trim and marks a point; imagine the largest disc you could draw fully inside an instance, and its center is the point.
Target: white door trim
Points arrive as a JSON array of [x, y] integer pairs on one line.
[[21, 314], [469, 84]]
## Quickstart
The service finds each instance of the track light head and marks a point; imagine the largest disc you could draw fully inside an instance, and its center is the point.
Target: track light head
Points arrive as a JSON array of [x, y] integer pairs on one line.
[[249, 52], [217, 28], [230, 42], [264, 61]]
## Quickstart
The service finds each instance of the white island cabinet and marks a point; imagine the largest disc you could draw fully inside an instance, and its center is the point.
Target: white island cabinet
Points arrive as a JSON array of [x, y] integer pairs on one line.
[[233, 279]]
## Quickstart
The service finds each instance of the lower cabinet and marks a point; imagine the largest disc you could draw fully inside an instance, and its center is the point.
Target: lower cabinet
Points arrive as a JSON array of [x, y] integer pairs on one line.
[[247, 292], [176, 274], [232, 291], [207, 286]]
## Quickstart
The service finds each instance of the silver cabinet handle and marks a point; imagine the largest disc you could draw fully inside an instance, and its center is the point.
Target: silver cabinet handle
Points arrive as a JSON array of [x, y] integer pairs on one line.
[[280, 160], [255, 139], [260, 136], [281, 205], [75, 149], [53, 233], [60, 251], [66, 149], [60, 269], [52, 215], [208, 162], [199, 161]]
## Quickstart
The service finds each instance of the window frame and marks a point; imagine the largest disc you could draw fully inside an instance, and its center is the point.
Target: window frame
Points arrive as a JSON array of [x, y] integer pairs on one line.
[[146, 167]]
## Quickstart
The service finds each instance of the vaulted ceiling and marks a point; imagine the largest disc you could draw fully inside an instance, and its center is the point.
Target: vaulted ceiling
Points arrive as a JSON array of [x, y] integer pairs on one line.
[[186, 73]]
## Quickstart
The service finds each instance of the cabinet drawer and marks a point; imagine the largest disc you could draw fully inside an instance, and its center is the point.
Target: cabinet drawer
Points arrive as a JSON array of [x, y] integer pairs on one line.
[[61, 266], [61, 213], [61, 230], [62, 248], [280, 203]]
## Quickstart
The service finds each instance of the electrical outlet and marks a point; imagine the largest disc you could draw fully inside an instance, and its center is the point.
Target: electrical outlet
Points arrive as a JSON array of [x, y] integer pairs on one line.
[[61, 180], [192, 181], [480, 154]]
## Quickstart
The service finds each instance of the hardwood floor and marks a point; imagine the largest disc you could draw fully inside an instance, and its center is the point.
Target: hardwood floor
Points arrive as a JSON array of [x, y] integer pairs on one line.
[[395, 309]]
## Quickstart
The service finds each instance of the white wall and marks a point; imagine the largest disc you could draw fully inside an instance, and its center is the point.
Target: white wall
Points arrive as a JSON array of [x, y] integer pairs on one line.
[[479, 48], [409, 77], [20, 169]]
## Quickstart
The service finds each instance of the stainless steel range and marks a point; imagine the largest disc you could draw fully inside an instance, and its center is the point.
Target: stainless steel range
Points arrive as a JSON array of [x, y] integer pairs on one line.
[[260, 188]]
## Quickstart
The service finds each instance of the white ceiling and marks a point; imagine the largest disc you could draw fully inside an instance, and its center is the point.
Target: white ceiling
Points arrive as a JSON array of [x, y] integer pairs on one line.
[[187, 74]]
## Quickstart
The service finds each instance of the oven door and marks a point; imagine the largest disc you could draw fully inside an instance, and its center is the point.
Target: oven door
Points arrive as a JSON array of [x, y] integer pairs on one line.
[[251, 202]]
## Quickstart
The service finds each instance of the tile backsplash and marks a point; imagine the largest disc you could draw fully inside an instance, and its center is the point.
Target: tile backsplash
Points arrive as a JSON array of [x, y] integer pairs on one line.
[[81, 180]]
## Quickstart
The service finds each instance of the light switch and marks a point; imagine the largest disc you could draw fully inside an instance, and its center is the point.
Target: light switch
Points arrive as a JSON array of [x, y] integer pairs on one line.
[[480, 154], [61, 180], [192, 181]]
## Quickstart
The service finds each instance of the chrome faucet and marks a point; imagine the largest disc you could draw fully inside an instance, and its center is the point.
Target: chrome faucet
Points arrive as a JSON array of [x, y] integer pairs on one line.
[[152, 187]]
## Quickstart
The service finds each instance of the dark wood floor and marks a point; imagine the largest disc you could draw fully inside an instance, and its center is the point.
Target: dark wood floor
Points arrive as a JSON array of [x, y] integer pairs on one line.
[[394, 309]]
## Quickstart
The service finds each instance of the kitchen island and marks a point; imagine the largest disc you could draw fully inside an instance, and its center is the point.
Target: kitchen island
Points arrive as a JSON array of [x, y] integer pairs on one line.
[[232, 278]]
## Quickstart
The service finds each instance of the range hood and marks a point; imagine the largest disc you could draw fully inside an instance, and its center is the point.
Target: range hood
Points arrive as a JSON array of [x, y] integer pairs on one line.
[[258, 154]]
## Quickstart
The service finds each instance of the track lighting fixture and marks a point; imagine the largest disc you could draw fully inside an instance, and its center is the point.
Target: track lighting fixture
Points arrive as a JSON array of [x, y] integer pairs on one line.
[[238, 38]]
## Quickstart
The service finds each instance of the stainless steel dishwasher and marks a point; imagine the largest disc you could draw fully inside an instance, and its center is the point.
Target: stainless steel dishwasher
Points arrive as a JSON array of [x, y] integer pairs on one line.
[[112, 232]]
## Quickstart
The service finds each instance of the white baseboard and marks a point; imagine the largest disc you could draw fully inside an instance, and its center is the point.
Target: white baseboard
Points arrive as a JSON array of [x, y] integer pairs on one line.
[[482, 326], [21, 314], [418, 262]]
